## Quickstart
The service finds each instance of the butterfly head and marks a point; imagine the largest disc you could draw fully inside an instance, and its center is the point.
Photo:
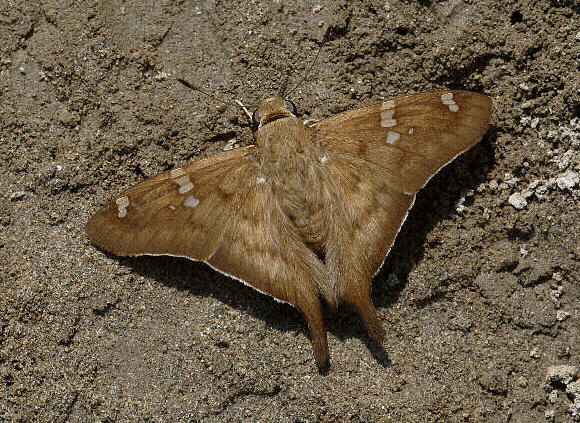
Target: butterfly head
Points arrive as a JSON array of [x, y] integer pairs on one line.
[[272, 109]]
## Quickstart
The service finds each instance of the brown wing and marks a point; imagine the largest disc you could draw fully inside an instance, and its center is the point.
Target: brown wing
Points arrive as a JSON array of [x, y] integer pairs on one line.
[[221, 211], [183, 212], [379, 157]]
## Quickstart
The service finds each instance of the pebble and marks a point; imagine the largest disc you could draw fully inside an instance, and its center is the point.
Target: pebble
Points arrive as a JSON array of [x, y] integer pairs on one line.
[[573, 389], [562, 373], [518, 201], [17, 196], [562, 315], [568, 180]]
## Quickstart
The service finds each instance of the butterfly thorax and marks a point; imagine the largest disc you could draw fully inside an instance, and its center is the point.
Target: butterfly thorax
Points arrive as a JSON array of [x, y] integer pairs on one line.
[[290, 162]]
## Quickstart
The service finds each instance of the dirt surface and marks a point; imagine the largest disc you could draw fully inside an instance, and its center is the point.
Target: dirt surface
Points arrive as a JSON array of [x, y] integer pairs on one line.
[[479, 297]]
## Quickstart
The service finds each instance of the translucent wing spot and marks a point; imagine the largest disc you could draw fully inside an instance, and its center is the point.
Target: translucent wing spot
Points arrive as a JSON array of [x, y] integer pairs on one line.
[[387, 118], [122, 204], [186, 188], [176, 173], [393, 137], [185, 184], [191, 201], [260, 180], [388, 105], [447, 99]]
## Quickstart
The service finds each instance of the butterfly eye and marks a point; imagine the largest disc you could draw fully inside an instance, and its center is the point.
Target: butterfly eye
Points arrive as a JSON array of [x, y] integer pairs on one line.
[[256, 118], [291, 107]]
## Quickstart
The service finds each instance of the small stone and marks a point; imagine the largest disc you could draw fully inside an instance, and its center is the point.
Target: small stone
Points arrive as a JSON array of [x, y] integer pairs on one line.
[[535, 353], [527, 193], [556, 292], [562, 373], [573, 389], [17, 196], [162, 76], [528, 104], [568, 180], [553, 396], [231, 144], [562, 315], [518, 201]]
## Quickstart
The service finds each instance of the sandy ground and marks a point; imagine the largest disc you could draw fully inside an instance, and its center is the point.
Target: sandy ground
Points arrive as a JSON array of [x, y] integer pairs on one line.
[[479, 297]]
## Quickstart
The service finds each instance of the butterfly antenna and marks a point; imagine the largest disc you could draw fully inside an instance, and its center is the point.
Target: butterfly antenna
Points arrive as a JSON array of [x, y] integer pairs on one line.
[[213, 97], [194, 88], [322, 43]]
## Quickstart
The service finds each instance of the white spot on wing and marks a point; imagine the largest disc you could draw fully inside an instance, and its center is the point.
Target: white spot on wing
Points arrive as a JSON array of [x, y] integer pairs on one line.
[[122, 204], [185, 188], [447, 99], [184, 180], [185, 184], [176, 173], [393, 137], [260, 180], [387, 118], [191, 201], [388, 105], [122, 201]]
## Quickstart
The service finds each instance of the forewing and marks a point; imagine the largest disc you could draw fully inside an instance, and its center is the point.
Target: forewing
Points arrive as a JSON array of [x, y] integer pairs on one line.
[[221, 211], [409, 138], [183, 212], [378, 158]]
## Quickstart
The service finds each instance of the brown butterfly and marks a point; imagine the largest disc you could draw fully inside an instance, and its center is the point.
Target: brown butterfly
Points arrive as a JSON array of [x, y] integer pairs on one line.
[[309, 212]]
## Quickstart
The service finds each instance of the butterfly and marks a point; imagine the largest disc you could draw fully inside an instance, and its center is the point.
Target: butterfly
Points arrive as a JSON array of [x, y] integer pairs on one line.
[[307, 214]]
